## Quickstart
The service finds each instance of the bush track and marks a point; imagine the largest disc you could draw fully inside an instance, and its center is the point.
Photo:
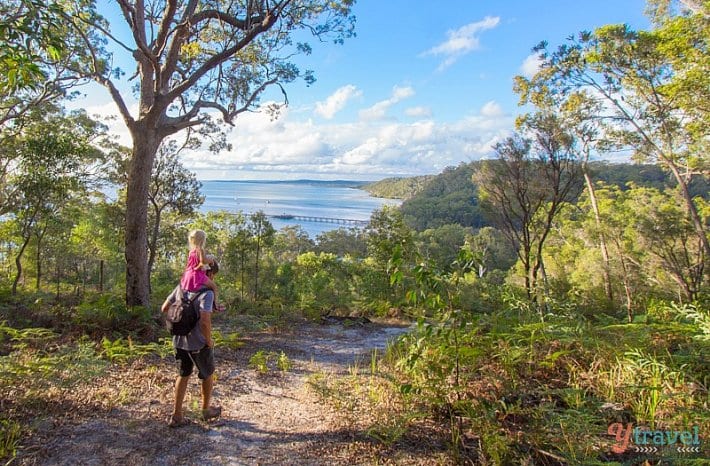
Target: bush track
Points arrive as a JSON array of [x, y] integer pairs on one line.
[[271, 418]]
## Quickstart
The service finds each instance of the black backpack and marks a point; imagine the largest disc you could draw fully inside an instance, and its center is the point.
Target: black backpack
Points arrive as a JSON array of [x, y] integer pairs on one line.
[[182, 315]]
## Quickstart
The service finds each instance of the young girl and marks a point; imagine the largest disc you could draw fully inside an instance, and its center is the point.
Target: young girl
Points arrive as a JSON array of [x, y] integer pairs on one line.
[[194, 276]]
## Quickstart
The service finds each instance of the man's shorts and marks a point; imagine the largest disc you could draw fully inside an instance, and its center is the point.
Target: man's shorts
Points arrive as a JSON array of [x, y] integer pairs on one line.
[[203, 359]]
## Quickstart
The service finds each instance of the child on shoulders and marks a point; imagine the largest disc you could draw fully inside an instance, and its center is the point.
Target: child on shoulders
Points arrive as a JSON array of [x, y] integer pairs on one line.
[[195, 277]]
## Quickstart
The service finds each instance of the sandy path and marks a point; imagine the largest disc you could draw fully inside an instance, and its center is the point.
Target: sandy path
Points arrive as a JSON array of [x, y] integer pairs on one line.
[[272, 418]]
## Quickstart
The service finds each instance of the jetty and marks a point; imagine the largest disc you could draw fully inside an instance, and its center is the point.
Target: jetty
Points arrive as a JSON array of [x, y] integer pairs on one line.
[[311, 218]]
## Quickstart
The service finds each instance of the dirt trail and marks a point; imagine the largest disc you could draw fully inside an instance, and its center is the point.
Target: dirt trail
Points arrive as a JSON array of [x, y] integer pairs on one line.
[[272, 418]]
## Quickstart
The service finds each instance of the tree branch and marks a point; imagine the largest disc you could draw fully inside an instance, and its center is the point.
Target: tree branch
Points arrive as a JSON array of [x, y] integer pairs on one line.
[[171, 59], [101, 79], [223, 56], [136, 20], [164, 29], [206, 15]]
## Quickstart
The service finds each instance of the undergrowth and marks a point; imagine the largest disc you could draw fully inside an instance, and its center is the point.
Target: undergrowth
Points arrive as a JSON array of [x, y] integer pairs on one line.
[[43, 372], [267, 361], [517, 386]]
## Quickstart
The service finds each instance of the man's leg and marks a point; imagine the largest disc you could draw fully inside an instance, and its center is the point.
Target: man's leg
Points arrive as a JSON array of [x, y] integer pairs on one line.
[[207, 386], [204, 360], [180, 389], [183, 357]]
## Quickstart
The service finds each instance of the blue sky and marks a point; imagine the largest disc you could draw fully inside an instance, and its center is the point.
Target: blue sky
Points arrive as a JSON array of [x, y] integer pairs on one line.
[[423, 86]]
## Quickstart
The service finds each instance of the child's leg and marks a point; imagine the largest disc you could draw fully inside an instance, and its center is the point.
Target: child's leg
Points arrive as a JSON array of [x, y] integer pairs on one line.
[[209, 283]]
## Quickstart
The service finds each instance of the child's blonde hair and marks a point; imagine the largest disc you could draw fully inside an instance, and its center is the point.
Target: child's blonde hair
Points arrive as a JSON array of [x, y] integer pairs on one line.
[[197, 238]]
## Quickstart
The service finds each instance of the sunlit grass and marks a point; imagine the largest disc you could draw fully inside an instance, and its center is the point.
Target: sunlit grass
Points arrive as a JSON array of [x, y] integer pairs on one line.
[[533, 390]]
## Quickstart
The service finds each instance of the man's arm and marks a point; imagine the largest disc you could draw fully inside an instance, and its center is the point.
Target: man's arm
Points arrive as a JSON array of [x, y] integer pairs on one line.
[[205, 323], [168, 301]]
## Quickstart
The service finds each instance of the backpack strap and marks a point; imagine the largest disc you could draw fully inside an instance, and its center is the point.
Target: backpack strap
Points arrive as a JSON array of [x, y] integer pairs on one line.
[[197, 295]]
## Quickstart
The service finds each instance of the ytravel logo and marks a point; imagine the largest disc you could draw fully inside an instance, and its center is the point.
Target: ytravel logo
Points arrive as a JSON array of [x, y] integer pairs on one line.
[[643, 440]]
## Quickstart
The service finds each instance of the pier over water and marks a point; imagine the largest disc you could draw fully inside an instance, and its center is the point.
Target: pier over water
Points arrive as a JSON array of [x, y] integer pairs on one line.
[[310, 218]]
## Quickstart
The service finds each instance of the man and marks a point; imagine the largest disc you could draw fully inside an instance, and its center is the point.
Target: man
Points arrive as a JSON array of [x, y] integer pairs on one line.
[[195, 349]]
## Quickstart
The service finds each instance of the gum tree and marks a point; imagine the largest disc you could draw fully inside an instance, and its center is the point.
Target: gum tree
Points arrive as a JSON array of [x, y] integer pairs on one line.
[[577, 111], [198, 64], [173, 196], [30, 31], [535, 176], [654, 103], [56, 162], [34, 73]]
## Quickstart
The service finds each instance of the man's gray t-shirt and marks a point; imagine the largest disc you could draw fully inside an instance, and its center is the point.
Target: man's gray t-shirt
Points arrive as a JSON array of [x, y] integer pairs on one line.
[[194, 341]]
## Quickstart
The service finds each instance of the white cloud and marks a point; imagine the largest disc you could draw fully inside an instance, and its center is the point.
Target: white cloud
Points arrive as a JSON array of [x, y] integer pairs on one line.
[[531, 65], [491, 109], [461, 41], [108, 114], [401, 93], [336, 101], [379, 110], [364, 149], [418, 112]]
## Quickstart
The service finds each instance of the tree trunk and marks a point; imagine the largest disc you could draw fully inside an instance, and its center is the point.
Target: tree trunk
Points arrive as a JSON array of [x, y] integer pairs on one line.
[[38, 265], [153, 243], [627, 291], [528, 279], [242, 261], [83, 277], [606, 269], [692, 210], [58, 283], [38, 257], [145, 145], [18, 264], [256, 271], [101, 275]]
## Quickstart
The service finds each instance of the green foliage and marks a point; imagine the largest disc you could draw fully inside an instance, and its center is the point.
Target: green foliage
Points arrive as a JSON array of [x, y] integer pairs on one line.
[[322, 281], [441, 245], [451, 198], [448, 198], [398, 188], [637, 77], [652, 247], [104, 313], [29, 31], [52, 154], [490, 250], [10, 432], [626, 175], [283, 363], [264, 361], [34, 360], [20, 338], [693, 314], [651, 381], [530, 387], [343, 243], [124, 350], [231, 340]]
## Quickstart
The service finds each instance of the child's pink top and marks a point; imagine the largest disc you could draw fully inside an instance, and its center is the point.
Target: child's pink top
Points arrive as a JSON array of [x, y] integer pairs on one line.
[[192, 280]]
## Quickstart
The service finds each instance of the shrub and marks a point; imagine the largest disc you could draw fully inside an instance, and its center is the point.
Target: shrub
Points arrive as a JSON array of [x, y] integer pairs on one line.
[[106, 313]]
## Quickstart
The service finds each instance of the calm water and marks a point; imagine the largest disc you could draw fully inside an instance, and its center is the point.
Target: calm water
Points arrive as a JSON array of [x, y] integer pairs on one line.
[[304, 198]]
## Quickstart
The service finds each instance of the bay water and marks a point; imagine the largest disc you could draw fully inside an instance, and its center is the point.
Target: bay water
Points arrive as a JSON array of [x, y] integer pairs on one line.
[[302, 198]]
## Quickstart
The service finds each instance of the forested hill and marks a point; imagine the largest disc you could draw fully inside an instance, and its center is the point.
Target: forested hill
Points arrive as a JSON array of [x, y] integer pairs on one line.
[[646, 175], [398, 188], [451, 197], [448, 198]]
